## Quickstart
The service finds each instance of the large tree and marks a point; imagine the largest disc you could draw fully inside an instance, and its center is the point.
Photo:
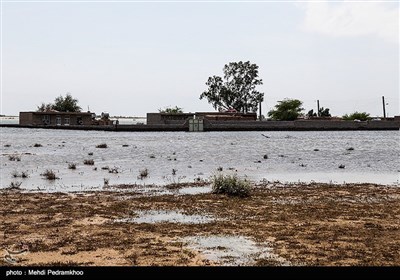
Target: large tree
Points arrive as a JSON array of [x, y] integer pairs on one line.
[[61, 104], [286, 110], [236, 90]]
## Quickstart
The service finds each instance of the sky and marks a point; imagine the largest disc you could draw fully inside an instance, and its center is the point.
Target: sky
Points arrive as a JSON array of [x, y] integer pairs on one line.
[[130, 58]]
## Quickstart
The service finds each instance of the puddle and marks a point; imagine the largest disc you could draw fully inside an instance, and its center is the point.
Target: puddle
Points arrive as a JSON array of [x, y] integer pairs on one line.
[[153, 217], [233, 250], [195, 190]]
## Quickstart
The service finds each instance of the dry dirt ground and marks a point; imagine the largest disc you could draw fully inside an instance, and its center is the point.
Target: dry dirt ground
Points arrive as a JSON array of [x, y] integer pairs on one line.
[[313, 224]]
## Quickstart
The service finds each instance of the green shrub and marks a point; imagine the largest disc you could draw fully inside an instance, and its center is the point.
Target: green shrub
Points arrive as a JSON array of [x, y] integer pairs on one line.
[[362, 116], [230, 185]]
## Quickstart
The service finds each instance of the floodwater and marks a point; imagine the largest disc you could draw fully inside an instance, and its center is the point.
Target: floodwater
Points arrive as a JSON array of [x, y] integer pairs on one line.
[[233, 250], [173, 157], [152, 217]]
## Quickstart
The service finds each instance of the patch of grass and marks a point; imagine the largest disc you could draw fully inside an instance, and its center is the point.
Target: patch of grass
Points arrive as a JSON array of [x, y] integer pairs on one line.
[[72, 166], [105, 168], [106, 181], [350, 149], [36, 145], [125, 145], [50, 175], [152, 156], [90, 154], [143, 174], [88, 162], [230, 185], [14, 158], [103, 146], [7, 145]]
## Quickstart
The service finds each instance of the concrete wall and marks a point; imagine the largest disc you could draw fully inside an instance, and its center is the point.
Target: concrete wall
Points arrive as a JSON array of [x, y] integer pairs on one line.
[[181, 118], [165, 118], [36, 118], [219, 116], [25, 118], [300, 125]]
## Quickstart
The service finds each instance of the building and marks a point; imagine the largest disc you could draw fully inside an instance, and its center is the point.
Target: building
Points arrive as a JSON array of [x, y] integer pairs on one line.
[[53, 118], [181, 118]]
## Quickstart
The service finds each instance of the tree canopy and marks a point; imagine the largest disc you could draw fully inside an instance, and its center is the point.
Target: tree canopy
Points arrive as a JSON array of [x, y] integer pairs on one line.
[[171, 110], [286, 110], [362, 116], [61, 104], [236, 90]]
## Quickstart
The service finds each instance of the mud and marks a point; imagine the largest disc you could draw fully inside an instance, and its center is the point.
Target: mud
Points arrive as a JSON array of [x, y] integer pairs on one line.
[[297, 224]]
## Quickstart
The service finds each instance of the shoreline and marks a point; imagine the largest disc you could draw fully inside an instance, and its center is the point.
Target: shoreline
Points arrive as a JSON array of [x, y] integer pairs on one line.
[[292, 224]]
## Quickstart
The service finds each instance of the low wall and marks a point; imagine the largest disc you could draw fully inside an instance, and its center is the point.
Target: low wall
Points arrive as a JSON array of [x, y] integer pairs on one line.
[[309, 125], [299, 125]]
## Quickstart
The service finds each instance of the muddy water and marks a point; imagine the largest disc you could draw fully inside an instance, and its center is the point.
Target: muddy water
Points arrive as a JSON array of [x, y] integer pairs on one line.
[[152, 217], [172, 157], [233, 250]]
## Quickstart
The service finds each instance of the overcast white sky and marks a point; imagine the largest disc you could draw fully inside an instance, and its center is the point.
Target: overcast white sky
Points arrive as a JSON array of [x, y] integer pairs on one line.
[[134, 58]]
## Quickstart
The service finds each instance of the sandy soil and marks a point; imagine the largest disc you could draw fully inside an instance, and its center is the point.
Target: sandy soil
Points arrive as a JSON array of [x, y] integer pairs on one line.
[[315, 224]]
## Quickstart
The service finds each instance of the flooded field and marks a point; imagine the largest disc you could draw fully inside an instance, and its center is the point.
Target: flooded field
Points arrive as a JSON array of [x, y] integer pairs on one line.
[[163, 158], [277, 225]]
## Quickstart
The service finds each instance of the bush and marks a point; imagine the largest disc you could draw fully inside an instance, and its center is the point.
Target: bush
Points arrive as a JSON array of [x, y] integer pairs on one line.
[[143, 173], [37, 145], [230, 185], [362, 116], [49, 175]]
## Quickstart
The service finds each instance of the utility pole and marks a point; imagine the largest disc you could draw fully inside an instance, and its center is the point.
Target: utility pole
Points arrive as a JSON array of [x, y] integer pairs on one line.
[[318, 108], [384, 109], [259, 111]]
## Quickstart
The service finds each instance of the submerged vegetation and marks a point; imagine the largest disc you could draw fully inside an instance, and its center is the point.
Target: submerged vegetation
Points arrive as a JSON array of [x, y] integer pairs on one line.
[[71, 165], [49, 175], [88, 162], [14, 185], [143, 174], [103, 146], [14, 158], [23, 174]]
